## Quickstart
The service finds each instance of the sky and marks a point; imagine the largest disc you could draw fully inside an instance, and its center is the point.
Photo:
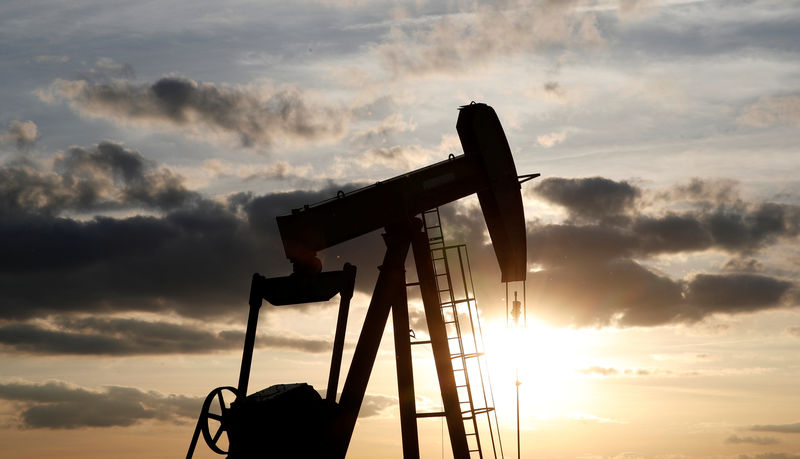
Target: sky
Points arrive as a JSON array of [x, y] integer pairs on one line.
[[146, 148]]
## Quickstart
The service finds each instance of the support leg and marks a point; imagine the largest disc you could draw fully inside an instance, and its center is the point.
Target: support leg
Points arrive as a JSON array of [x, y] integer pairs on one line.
[[341, 324], [392, 273], [405, 374], [250, 335]]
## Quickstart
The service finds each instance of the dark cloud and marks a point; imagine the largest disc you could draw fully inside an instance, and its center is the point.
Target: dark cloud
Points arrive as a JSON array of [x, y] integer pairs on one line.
[[732, 293], [57, 405], [258, 116], [68, 335], [620, 292], [625, 293], [671, 234], [196, 257], [743, 265], [554, 245], [595, 197], [103, 177], [22, 134], [589, 275], [777, 428], [754, 440], [553, 87], [712, 192], [717, 217]]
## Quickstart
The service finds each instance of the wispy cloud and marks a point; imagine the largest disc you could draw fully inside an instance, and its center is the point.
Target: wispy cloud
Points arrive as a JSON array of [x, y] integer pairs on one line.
[[752, 440], [773, 110], [454, 42], [777, 428], [258, 115]]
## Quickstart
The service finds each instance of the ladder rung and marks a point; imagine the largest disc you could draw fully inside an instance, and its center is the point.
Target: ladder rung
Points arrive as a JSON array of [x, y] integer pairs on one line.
[[411, 284], [449, 321], [467, 356], [422, 342], [432, 414]]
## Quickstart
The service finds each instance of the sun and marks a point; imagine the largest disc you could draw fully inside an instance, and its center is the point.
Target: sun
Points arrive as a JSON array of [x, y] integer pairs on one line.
[[544, 360]]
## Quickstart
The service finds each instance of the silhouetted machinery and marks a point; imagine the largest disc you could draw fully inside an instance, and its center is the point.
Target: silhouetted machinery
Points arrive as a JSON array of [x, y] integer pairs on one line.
[[292, 420]]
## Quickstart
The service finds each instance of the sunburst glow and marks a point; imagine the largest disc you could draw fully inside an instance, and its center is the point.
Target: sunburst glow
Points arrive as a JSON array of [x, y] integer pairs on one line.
[[545, 360]]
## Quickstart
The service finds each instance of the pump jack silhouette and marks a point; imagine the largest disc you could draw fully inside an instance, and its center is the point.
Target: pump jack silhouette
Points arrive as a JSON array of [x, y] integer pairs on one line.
[[292, 420]]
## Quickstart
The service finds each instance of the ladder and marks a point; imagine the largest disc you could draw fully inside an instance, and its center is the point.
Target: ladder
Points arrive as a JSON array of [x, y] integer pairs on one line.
[[461, 318]]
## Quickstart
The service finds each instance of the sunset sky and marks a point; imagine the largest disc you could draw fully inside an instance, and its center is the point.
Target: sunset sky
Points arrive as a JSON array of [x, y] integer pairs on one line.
[[146, 148]]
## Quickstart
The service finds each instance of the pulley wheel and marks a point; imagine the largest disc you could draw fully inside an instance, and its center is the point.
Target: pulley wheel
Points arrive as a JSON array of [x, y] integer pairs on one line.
[[213, 414]]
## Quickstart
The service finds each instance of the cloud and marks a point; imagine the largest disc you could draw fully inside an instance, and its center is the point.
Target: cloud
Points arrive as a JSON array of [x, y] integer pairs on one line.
[[602, 371], [743, 265], [716, 219], [192, 255], [259, 116], [58, 405], [374, 405], [594, 197], [777, 428], [404, 157], [23, 134], [551, 139], [733, 293], [102, 177], [455, 42], [590, 267], [379, 134], [773, 110], [625, 293], [754, 440], [708, 192], [588, 417], [67, 335]]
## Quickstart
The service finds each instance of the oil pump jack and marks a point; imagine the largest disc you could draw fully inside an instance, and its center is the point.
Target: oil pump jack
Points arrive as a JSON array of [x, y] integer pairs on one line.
[[292, 420]]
